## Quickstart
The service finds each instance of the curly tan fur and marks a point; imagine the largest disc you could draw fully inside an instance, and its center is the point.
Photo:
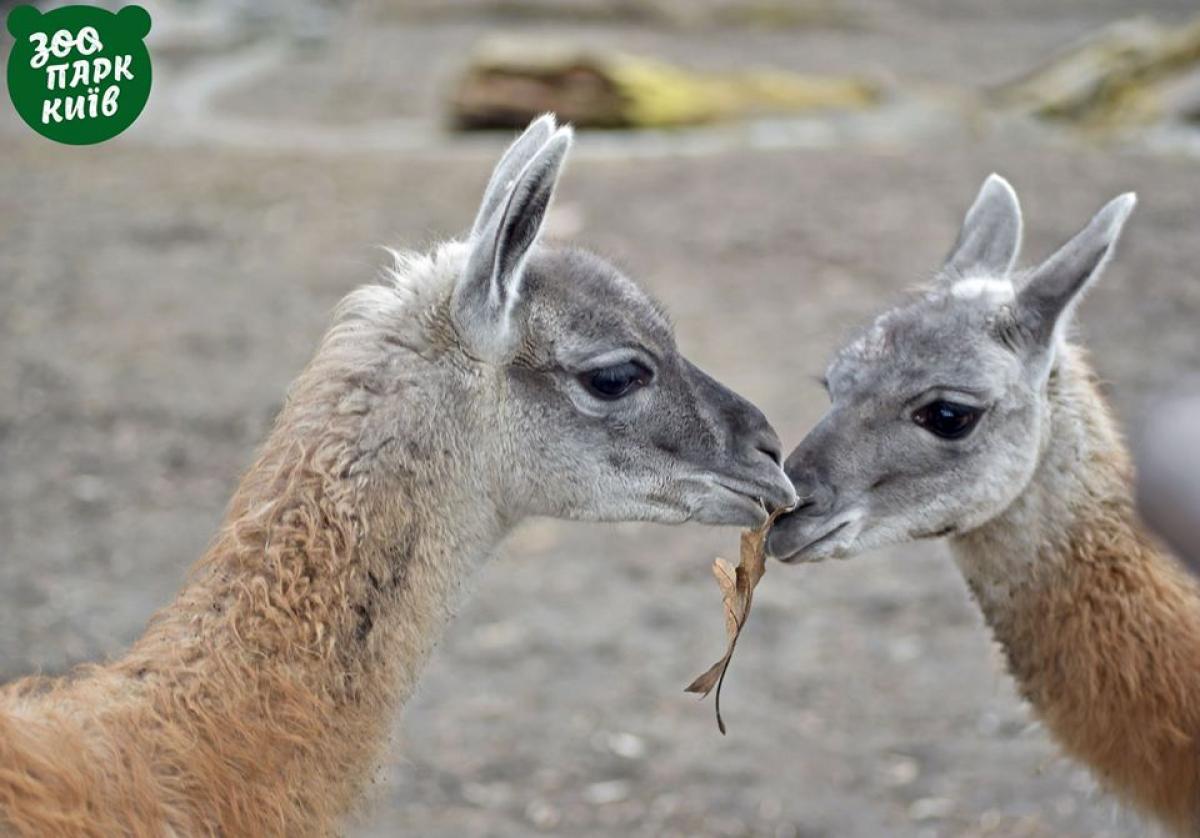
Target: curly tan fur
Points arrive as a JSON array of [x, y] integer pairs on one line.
[[1100, 627], [440, 411], [259, 702]]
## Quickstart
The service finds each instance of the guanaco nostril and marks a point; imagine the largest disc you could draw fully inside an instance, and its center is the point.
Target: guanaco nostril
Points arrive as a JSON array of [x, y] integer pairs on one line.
[[765, 442], [773, 452]]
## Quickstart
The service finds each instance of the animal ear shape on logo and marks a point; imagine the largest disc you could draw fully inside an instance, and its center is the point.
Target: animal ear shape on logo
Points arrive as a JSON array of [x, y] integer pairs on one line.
[[22, 20], [79, 74], [136, 21]]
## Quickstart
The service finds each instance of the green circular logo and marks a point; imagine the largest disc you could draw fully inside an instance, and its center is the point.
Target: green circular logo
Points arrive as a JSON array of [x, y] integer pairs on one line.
[[79, 74]]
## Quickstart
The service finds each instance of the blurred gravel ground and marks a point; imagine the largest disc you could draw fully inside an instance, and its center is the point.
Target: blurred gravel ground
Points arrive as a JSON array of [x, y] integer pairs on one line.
[[156, 300]]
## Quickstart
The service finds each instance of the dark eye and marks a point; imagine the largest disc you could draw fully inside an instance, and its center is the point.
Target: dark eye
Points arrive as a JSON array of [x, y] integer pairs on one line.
[[949, 420], [613, 382]]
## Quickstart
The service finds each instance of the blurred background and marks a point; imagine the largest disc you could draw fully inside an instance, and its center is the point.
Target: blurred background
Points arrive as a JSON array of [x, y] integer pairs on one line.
[[775, 171]]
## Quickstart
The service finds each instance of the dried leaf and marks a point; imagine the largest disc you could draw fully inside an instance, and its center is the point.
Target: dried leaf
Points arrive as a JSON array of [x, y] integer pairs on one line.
[[737, 593], [726, 577]]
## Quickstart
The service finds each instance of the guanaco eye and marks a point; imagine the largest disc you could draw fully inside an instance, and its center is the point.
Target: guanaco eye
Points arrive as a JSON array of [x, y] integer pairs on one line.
[[617, 381], [949, 420]]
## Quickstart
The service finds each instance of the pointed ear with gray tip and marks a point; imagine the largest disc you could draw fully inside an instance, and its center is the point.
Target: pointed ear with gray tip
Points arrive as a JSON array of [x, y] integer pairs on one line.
[[510, 165], [488, 291], [1047, 297], [990, 237]]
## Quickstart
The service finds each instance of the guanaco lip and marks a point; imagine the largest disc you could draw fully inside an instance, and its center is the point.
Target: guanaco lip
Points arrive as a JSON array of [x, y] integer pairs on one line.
[[813, 542], [760, 494], [750, 499]]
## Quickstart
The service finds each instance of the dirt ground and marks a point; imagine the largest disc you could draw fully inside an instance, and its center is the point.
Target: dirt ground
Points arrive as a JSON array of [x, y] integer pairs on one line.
[[157, 294]]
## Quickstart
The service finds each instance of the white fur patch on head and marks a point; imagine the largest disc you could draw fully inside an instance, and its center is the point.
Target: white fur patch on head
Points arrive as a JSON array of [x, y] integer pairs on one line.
[[872, 345], [998, 291]]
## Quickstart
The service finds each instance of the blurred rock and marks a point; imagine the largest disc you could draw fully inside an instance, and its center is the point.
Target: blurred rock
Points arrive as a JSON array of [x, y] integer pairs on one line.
[[1115, 76], [511, 80], [899, 771], [487, 795], [1180, 97], [543, 815], [609, 791], [627, 745], [931, 809]]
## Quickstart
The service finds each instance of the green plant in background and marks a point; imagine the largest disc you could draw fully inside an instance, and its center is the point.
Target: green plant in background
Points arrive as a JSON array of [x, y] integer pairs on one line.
[[79, 74]]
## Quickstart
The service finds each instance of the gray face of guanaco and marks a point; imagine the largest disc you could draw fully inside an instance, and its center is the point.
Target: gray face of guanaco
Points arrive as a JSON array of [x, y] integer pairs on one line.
[[937, 410]]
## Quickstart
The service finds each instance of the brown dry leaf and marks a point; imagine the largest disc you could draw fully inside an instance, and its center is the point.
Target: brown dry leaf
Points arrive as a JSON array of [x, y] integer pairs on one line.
[[737, 592]]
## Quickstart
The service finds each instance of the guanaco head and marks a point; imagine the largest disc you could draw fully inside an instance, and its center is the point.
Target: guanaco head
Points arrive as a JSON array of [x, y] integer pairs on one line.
[[936, 423], [560, 382]]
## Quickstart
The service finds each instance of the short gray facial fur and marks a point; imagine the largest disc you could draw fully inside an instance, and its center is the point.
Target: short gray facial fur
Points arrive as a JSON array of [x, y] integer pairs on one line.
[[938, 411], [553, 381]]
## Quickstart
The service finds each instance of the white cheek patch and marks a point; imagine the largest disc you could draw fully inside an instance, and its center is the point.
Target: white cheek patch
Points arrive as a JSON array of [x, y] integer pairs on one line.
[[997, 291]]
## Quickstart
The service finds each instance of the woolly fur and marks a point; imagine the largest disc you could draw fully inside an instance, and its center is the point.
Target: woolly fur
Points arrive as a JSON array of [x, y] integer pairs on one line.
[[259, 702], [1101, 628]]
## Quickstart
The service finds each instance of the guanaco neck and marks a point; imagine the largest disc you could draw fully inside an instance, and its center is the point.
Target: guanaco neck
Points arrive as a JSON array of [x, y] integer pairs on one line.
[[1101, 629], [280, 667]]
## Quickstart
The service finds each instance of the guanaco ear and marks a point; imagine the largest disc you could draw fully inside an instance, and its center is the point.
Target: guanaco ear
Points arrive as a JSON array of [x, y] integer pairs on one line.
[[1045, 301], [510, 165], [990, 237], [490, 287]]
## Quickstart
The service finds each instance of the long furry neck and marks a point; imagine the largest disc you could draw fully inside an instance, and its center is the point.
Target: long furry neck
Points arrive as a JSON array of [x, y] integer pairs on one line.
[[260, 701], [341, 561], [1101, 630], [304, 629]]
